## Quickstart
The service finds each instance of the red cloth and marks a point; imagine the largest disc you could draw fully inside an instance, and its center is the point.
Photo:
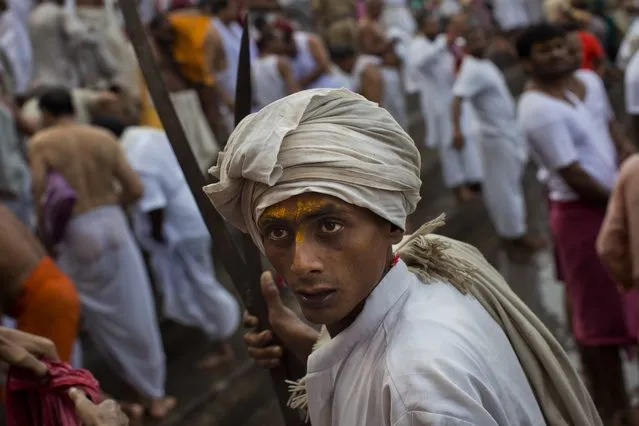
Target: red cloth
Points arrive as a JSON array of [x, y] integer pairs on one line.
[[32, 401], [601, 315], [592, 50]]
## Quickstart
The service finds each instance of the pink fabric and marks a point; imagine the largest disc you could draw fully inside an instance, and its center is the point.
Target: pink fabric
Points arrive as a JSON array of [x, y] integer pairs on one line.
[[32, 401], [601, 314]]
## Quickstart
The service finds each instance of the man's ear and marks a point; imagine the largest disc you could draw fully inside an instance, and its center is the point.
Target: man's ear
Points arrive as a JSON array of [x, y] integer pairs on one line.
[[396, 234]]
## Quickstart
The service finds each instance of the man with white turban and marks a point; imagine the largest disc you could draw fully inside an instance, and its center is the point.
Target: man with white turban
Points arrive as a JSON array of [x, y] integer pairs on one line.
[[425, 334]]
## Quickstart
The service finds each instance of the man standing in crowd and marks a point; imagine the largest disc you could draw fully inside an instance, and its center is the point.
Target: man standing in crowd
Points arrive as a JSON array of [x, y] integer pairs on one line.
[[98, 250], [561, 134], [481, 84]]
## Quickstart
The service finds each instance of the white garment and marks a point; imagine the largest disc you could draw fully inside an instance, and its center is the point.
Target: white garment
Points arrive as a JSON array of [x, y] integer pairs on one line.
[[598, 103], [196, 126], [100, 256], [431, 69], [21, 9], [397, 15], [502, 148], [419, 354], [182, 265], [15, 41], [465, 166], [231, 36], [304, 64], [393, 95], [484, 85], [560, 134], [269, 86], [625, 50], [511, 14], [393, 99], [631, 80], [448, 8]]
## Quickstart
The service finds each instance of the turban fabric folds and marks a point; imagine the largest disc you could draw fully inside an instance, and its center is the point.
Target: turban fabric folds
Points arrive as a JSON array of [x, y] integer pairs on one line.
[[326, 141]]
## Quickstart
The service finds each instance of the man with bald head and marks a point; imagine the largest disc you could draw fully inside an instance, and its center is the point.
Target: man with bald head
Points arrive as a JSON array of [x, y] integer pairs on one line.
[[323, 181]]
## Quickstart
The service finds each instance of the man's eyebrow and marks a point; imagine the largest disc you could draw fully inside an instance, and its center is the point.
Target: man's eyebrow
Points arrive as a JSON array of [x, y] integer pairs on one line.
[[269, 219]]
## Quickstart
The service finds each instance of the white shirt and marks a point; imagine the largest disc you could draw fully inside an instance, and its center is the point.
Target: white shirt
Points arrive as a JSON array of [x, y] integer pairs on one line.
[[560, 134], [150, 154], [598, 104], [625, 50], [632, 85], [269, 84], [511, 14], [481, 83], [419, 354]]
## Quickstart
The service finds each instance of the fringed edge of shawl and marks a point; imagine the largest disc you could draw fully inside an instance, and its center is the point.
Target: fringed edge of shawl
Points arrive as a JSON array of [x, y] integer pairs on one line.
[[426, 258]]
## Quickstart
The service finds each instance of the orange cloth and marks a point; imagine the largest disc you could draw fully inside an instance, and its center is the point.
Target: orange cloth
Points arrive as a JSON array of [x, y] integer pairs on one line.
[[148, 114], [592, 50], [192, 32], [618, 241], [49, 306]]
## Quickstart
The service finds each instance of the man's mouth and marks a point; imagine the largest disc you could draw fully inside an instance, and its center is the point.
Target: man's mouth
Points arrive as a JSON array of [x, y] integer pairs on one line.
[[315, 298]]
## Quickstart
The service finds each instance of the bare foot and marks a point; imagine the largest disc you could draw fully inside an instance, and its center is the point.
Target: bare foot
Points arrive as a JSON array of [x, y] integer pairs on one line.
[[160, 408], [135, 412], [215, 360]]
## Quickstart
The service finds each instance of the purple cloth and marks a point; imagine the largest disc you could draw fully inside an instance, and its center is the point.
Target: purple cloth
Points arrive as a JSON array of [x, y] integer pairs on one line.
[[58, 203]]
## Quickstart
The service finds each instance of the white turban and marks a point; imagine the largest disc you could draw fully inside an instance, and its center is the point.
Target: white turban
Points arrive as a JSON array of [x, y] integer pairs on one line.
[[332, 142]]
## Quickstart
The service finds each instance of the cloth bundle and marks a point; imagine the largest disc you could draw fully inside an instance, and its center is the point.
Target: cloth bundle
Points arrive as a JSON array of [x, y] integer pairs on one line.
[[35, 401]]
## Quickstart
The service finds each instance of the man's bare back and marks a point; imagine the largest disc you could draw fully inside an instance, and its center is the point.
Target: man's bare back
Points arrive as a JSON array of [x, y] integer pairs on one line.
[[21, 254]]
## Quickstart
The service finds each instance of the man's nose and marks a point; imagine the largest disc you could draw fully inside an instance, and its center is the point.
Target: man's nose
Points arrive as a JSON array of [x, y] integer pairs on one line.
[[306, 257]]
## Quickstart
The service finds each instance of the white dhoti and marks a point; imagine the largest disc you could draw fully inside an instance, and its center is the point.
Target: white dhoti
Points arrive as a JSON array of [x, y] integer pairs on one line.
[[458, 166], [198, 131], [118, 310], [191, 294], [503, 190]]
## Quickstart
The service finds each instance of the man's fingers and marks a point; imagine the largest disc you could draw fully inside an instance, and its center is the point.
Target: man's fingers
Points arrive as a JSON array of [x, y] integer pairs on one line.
[[83, 406], [44, 348], [270, 353], [23, 359], [249, 320], [258, 340]]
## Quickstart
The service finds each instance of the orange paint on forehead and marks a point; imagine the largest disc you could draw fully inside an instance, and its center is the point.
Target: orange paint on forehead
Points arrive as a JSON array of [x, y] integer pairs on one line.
[[293, 213]]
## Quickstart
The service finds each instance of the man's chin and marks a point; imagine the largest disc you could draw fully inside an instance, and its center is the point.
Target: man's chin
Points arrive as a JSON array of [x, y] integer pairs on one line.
[[319, 316]]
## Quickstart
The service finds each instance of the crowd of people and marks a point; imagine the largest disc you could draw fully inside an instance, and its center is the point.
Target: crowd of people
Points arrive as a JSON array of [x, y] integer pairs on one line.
[[324, 177]]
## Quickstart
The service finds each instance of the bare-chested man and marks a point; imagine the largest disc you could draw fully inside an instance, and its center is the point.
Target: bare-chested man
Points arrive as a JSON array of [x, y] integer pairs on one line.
[[41, 298], [372, 40]]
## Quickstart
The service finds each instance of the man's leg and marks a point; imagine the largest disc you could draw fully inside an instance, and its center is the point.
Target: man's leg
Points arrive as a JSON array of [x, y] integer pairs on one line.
[[597, 309]]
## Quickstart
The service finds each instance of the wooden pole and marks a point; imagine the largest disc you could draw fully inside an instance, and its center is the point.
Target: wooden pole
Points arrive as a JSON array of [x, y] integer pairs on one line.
[[244, 274]]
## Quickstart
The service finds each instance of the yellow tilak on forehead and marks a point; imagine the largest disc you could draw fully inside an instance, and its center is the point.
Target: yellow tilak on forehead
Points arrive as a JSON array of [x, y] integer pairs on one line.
[[302, 207]]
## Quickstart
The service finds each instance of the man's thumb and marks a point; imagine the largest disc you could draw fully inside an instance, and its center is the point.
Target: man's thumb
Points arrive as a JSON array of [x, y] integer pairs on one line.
[[271, 292]]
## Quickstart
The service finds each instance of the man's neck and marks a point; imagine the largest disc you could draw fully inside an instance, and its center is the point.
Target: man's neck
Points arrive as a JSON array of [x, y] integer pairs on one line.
[[553, 87], [338, 327]]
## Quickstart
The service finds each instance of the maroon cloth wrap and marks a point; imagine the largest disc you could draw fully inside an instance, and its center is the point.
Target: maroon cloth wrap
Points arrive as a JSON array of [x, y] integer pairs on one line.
[[34, 401]]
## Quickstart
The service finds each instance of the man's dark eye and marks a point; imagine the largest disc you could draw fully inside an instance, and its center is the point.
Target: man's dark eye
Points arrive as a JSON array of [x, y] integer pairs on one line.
[[331, 227], [277, 234]]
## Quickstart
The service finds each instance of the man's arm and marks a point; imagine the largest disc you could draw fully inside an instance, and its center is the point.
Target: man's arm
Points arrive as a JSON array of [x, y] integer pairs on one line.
[[587, 188], [132, 189], [286, 71], [38, 165], [456, 111], [371, 86], [322, 60], [624, 147], [631, 203]]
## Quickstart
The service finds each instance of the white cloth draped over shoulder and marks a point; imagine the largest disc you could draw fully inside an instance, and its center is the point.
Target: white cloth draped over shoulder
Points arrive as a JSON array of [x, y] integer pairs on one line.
[[337, 143]]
